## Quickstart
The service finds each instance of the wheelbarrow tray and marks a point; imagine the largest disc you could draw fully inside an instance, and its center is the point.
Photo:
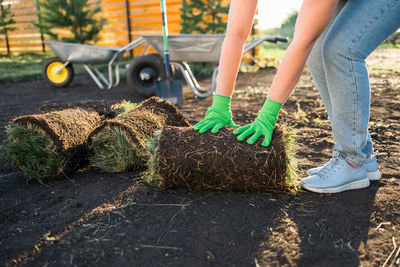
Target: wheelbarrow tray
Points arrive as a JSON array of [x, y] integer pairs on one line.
[[82, 53], [189, 47]]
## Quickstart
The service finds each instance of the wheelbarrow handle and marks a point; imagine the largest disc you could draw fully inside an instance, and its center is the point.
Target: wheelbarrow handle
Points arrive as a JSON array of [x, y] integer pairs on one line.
[[282, 39], [272, 39]]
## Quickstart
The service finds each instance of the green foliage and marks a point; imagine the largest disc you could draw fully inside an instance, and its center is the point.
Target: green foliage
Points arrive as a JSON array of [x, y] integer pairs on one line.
[[201, 69], [203, 16], [287, 27], [28, 67], [272, 53], [112, 152], [76, 16], [285, 30], [24, 67], [128, 106], [6, 19], [393, 41], [32, 152]]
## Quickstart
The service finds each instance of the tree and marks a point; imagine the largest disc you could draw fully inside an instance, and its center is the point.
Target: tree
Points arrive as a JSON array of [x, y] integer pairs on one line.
[[6, 20], [203, 16], [76, 16], [287, 27]]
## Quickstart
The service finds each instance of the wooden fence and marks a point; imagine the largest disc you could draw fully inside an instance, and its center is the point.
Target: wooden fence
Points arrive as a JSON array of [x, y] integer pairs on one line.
[[144, 17], [26, 37]]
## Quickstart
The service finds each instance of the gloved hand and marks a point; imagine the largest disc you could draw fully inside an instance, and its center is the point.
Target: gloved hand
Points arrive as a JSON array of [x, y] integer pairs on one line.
[[263, 125], [218, 116]]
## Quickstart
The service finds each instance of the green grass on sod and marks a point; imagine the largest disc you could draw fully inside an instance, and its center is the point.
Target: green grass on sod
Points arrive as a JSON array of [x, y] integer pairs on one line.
[[112, 152], [32, 152]]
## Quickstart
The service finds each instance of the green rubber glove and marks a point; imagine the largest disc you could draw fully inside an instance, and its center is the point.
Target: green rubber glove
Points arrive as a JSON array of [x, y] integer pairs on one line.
[[263, 125], [218, 116]]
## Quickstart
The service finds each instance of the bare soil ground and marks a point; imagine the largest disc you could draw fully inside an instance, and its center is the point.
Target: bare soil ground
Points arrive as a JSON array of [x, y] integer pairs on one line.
[[117, 219]]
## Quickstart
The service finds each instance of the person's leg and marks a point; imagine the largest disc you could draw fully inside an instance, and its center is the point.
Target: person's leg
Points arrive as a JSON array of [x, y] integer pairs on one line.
[[316, 68], [315, 65], [358, 29]]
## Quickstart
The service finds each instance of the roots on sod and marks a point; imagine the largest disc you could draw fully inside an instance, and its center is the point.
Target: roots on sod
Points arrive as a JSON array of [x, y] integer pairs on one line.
[[119, 144], [181, 157], [50, 145], [107, 108]]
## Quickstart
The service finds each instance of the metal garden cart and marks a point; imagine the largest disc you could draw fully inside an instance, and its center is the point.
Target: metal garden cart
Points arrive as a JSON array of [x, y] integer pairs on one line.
[[146, 70]]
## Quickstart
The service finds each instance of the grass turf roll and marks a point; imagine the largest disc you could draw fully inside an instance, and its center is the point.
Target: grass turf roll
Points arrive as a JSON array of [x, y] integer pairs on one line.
[[119, 144], [182, 157], [51, 145], [107, 108]]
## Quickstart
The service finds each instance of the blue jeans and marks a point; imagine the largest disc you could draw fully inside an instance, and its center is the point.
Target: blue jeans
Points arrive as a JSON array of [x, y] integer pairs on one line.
[[337, 64]]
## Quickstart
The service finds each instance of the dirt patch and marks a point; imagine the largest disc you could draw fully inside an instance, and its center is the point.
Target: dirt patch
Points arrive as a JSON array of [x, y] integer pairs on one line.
[[108, 219], [186, 158]]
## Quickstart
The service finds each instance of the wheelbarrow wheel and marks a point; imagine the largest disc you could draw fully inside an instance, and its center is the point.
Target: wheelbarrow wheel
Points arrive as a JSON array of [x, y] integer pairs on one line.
[[53, 76], [143, 74]]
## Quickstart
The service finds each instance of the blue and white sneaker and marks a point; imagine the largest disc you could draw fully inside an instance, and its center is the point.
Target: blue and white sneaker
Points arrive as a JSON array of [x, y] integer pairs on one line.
[[336, 176], [371, 164]]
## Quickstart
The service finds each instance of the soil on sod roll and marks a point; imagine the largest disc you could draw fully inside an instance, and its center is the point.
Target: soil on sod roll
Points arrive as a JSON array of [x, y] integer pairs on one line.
[[119, 144], [161, 107], [66, 132], [184, 158], [107, 108]]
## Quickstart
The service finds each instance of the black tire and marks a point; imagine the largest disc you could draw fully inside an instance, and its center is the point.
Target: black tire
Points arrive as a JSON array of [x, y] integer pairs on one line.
[[58, 82], [143, 74]]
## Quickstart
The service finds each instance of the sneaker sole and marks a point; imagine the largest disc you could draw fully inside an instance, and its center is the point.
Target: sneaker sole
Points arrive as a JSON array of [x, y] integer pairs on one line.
[[363, 183], [372, 176]]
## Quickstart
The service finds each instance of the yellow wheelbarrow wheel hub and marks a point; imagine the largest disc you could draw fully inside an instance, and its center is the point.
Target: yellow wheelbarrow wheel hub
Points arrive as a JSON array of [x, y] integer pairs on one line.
[[53, 75]]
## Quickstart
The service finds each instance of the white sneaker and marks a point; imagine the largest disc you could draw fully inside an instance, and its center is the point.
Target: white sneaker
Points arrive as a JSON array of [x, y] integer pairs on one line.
[[336, 176], [371, 164]]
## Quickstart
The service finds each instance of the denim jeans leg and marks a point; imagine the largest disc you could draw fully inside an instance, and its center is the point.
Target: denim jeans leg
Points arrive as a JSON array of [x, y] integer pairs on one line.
[[358, 29], [315, 65]]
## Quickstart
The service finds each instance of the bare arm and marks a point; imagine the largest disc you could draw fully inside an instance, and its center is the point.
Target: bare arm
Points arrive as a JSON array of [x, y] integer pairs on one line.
[[240, 20], [313, 17]]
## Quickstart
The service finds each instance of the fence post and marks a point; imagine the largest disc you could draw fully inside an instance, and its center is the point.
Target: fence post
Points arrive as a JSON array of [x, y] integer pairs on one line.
[[128, 24], [40, 29], [5, 33]]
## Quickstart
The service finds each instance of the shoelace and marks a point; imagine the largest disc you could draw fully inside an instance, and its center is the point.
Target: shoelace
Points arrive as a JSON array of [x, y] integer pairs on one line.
[[330, 167]]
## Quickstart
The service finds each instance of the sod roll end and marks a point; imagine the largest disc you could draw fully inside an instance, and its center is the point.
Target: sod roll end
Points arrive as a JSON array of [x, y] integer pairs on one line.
[[118, 145], [51, 145], [182, 157]]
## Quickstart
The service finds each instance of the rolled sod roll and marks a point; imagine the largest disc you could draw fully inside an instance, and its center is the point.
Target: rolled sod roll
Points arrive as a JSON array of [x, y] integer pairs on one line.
[[107, 108], [119, 144], [182, 157], [51, 145]]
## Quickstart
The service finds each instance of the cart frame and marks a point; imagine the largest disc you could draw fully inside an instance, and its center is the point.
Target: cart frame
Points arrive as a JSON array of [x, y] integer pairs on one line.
[[206, 47]]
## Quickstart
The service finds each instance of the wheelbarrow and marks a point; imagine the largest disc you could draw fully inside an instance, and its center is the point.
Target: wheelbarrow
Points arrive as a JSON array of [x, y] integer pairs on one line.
[[59, 72], [145, 70]]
